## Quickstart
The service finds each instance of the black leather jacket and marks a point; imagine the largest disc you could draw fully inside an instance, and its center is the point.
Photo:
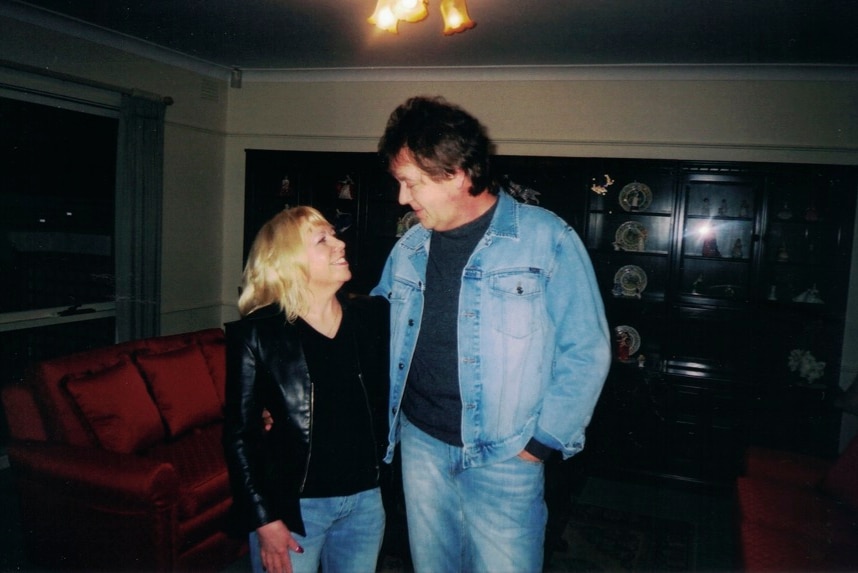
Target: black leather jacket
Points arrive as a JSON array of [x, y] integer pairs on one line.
[[266, 368]]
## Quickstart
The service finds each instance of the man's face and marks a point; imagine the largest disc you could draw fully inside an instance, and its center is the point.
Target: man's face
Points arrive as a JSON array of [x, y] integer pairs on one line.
[[437, 204]]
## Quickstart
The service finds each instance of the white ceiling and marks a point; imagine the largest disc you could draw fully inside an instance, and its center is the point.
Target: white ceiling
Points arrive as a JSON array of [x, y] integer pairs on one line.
[[326, 34]]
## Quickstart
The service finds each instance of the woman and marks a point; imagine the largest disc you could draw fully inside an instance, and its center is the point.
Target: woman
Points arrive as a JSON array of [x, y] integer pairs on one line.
[[307, 487]]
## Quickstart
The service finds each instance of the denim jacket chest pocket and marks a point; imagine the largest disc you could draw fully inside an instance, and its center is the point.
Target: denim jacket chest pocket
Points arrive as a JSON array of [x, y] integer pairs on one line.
[[514, 297]]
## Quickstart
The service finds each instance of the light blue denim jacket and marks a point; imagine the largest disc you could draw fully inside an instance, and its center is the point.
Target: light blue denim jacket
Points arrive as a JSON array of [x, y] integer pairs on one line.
[[534, 348]]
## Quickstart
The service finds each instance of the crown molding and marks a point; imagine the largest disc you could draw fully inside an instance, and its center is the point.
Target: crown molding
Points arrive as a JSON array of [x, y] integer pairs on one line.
[[630, 72]]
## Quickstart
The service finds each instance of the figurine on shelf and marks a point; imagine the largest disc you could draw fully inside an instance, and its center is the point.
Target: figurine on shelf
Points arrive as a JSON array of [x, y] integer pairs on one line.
[[635, 199], [744, 209], [641, 361], [722, 210], [623, 346], [641, 240], [737, 249], [705, 209], [773, 292], [783, 254], [697, 285], [785, 214], [810, 296], [617, 290], [710, 247]]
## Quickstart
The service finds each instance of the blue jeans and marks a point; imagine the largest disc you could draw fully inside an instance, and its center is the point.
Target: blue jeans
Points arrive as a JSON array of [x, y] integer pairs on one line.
[[344, 535], [483, 519]]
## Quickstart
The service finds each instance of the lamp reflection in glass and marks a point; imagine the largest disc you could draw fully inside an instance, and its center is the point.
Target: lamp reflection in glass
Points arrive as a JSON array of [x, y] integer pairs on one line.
[[710, 243], [388, 13], [456, 18]]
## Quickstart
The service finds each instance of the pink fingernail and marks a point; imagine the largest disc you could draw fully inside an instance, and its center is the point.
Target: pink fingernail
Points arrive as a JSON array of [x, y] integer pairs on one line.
[[299, 550]]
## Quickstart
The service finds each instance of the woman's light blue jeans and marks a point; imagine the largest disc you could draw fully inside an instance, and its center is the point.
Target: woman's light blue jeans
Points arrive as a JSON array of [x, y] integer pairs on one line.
[[344, 535], [486, 519]]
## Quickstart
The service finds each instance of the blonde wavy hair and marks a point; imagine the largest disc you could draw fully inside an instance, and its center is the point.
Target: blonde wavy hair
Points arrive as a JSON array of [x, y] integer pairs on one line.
[[276, 269]]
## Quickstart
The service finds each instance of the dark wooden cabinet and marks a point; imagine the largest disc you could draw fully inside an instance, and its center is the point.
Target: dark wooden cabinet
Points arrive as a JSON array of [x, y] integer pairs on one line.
[[720, 282], [732, 279]]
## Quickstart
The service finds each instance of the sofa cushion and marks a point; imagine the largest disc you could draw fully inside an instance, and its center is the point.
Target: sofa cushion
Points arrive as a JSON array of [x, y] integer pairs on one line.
[[117, 407], [198, 459], [63, 420], [841, 481], [182, 387]]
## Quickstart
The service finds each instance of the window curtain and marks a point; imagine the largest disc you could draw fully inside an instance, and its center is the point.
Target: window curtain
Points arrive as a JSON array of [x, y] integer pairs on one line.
[[139, 188]]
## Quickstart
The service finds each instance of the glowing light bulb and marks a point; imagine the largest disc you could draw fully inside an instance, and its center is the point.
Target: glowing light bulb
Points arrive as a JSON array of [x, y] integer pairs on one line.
[[455, 14], [384, 17], [410, 10]]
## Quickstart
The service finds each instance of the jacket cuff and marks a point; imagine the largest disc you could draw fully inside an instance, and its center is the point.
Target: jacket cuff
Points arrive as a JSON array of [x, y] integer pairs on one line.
[[538, 449]]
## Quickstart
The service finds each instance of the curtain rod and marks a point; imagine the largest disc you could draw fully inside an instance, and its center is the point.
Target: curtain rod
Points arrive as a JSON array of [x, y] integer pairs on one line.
[[166, 100]]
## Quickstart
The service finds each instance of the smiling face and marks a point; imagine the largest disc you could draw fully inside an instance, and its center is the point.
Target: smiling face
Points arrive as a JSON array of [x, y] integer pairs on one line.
[[439, 204], [326, 258]]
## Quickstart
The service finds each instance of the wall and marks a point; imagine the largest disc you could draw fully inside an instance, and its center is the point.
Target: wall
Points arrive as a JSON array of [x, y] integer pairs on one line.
[[694, 115], [194, 157]]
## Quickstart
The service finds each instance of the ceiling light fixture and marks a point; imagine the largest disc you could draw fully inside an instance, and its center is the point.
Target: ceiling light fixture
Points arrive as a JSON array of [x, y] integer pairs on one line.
[[388, 13]]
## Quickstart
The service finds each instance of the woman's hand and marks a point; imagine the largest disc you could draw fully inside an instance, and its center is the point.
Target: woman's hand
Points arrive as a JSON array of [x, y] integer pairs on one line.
[[275, 542], [267, 419]]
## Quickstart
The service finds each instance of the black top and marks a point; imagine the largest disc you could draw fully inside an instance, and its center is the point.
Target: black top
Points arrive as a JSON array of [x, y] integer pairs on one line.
[[343, 454], [432, 399]]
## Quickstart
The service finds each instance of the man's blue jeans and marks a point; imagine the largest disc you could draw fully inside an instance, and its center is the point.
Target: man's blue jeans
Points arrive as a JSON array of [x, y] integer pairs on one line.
[[486, 519], [344, 535]]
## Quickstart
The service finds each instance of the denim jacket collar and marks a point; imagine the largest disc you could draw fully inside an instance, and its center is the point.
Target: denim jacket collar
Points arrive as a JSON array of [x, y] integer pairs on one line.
[[504, 223]]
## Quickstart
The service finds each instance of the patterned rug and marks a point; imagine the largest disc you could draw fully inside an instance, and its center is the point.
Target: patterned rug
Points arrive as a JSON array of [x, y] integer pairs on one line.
[[601, 539]]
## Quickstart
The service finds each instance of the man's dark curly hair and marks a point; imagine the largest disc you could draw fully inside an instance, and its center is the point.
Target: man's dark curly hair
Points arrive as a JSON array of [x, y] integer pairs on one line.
[[442, 138]]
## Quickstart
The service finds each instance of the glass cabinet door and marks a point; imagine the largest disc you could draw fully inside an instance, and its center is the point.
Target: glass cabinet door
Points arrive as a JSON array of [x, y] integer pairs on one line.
[[802, 244], [719, 238]]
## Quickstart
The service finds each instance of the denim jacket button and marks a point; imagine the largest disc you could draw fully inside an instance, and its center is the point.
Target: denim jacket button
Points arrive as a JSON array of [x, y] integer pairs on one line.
[[401, 366], [410, 322]]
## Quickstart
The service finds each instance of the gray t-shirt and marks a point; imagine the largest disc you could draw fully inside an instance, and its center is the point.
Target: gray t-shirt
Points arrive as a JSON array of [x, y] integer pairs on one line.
[[432, 399]]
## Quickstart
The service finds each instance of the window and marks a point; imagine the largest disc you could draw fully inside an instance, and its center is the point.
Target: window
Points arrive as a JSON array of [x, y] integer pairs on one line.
[[57, 180]]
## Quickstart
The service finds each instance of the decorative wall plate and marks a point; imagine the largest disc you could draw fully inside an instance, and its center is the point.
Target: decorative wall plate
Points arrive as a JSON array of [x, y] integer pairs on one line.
[[635, 196], [631, 236], [632, 280], [634, 339]]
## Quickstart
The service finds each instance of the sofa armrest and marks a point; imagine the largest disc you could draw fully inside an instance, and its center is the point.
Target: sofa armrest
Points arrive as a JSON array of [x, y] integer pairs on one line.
[[22, 413], [108, 476], [87, 509]]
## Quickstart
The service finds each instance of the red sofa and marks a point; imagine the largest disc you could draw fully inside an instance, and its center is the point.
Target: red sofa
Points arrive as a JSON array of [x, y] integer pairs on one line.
[[799, 513], [117, 458]]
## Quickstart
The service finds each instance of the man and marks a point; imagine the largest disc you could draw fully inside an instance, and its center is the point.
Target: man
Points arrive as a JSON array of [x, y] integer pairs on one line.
[[499, 347]]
